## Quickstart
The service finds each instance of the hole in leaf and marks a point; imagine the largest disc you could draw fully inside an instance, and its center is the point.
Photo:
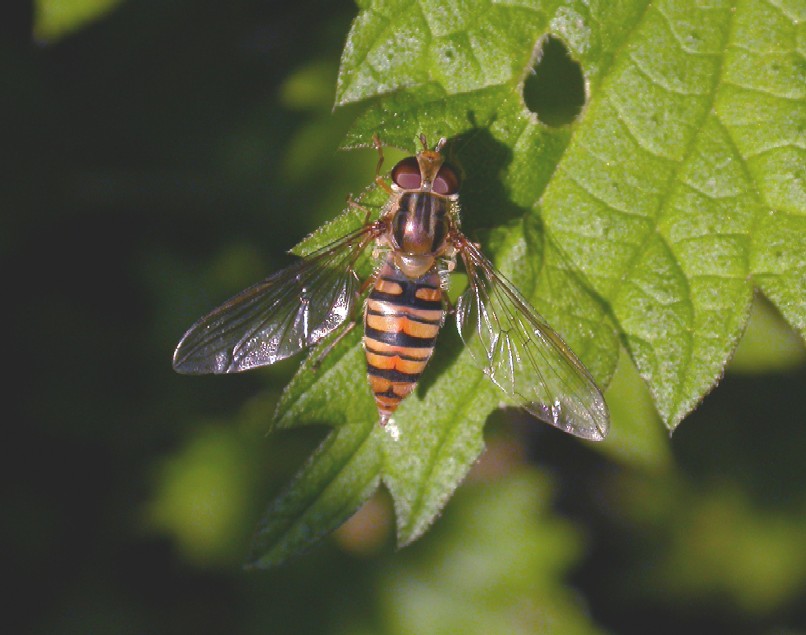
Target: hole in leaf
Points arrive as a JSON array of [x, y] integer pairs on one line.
[[555, 91]]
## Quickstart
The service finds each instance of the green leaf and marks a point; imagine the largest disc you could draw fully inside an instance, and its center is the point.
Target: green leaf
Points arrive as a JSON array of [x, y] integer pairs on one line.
[[666, 204], [645, 224], [458, 45]]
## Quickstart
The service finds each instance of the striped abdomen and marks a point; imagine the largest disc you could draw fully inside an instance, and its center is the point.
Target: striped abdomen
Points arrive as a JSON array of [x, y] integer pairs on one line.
[[401, 323]]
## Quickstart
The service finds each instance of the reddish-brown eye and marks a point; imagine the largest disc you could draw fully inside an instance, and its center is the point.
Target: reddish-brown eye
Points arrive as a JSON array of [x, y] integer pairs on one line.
[[406, 174], [446, 182]]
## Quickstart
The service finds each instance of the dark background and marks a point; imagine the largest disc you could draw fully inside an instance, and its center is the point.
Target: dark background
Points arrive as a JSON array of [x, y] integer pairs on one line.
[[160, 159]]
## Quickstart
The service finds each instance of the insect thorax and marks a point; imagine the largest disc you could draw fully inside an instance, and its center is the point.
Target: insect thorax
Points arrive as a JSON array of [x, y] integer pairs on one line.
[[420, 223]]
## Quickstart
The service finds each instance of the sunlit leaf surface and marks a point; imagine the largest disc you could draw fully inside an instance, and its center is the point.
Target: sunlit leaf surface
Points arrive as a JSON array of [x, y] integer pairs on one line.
[[646, 224]]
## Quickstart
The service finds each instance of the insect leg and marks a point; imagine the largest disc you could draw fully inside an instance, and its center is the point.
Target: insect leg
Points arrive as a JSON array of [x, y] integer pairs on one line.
[[349, 325], [353, 203], [368, 283], [376, 140], [341, 333]]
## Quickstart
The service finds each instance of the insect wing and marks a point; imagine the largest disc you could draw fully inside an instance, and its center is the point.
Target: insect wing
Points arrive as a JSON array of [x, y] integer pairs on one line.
[[276, 318], [522, 355]]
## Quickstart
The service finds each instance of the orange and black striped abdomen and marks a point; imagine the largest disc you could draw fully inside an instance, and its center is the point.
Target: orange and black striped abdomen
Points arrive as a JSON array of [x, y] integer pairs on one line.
[[401, 323]]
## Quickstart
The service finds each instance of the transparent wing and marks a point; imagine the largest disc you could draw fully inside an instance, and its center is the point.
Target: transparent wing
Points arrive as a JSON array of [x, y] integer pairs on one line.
[[276, 318], [522, 355]]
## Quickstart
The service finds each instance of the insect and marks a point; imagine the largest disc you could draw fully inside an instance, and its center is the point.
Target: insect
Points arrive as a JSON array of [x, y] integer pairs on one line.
[[416, 240]]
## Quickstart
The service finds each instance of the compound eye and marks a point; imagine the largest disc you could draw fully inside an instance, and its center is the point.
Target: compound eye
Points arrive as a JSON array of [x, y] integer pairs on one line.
[[406, 174], [447, 182]]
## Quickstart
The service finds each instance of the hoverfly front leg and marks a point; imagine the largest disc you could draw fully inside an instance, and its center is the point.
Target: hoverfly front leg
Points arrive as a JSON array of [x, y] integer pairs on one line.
[[376, 141]]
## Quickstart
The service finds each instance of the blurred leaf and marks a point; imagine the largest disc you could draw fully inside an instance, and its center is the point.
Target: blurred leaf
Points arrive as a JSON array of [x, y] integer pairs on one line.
[[489, 570], [768, 344], [310, 87], [716, 544], [202, 497], [637, 436], [647, 222], [55, 19], [318, 175]]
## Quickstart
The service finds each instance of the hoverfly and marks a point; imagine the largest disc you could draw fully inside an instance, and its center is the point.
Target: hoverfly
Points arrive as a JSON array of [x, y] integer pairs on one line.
[[416, 240]]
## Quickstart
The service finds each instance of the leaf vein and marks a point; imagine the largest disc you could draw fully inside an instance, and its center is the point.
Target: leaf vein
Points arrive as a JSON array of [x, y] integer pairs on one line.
[[792, 18], [797, 99], [621, 117], [598, 199], [657, 81], [678, 38]]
